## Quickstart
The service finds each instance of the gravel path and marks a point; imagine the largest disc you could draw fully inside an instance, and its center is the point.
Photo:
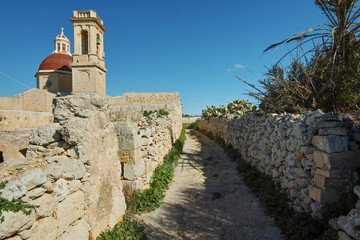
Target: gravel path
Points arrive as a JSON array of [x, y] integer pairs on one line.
[[208, 200]]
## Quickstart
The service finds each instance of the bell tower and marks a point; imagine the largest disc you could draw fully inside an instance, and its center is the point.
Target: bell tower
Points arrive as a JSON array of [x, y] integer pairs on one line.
[[88, 66]]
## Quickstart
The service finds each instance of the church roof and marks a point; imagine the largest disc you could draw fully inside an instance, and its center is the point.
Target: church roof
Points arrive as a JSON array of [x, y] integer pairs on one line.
[[57, 61]]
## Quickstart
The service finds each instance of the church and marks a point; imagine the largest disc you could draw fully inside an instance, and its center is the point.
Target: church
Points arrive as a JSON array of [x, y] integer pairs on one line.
[[64, 73], [82, 71]]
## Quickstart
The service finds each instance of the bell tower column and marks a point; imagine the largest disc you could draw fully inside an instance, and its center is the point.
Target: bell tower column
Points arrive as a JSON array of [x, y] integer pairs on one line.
[[88, 66]]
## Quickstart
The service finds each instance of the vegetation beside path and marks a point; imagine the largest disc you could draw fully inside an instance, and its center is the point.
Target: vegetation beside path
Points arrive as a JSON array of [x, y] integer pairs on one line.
[[293, 225], [146, 200]]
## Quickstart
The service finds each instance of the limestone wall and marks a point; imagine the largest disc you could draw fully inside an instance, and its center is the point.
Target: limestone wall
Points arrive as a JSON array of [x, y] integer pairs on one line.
[[11, 103], [312, 156], [34, 100], [127, 108], [131, 106], [189, 119], [71, 171], [13, 145], [142, 147], [11, 120], [75, 167]]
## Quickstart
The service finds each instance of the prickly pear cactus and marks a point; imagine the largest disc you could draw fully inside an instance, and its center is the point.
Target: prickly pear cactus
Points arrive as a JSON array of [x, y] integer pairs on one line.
[[238, 107]]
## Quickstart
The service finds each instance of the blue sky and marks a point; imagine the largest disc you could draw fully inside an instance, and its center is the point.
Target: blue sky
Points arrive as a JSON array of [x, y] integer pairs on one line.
[[194, 47]]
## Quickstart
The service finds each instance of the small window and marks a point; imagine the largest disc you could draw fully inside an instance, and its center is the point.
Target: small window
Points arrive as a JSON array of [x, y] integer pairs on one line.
[[58, 47], [64, 47]]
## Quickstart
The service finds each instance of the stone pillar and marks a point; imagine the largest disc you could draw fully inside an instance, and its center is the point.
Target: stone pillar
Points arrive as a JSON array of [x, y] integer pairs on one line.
[[129, 143]]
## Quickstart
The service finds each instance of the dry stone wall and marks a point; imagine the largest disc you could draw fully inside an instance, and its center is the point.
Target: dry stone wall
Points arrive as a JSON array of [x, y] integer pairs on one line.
[[313, 156], [74, 175], [348, 226]]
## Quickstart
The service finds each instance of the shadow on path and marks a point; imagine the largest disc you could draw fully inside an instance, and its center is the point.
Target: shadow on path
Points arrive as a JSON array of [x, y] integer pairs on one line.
[[208, 200]]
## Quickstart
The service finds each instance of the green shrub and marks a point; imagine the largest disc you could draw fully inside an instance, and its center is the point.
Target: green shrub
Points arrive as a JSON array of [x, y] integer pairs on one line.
[[193, 125], [150, 199], [127, 230], [160, 113], [15, 205]]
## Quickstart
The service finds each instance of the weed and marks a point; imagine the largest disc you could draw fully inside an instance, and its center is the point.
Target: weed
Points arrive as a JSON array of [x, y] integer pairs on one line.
[[194, 125], [150, 199], [160, 113], [126, 230], [3, 184], [15, 205]]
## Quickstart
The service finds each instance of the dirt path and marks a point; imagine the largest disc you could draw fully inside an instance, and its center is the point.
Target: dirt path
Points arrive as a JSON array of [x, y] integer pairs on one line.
[[208, 200]]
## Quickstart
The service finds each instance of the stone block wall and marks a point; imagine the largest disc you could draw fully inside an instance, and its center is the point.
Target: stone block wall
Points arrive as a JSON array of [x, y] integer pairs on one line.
[[71, 171], [131, 106], [142, 147], [312, 156], [11, 120], [190, 119], [34, 100], [13, 145]]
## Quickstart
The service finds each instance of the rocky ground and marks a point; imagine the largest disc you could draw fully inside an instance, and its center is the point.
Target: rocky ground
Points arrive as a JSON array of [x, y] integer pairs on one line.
[[208, 200]]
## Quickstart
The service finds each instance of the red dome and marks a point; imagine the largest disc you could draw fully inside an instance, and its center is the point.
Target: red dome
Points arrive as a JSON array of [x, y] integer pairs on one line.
[[57, 61]]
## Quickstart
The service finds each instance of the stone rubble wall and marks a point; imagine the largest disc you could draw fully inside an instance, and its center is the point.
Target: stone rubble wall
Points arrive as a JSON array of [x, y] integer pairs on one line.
[[11, 120], [71, 171], [312, 156], [348, 226], [142, 147]]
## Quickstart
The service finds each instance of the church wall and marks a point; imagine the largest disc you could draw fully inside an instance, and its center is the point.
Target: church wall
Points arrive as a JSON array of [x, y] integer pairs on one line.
[[60, 82]]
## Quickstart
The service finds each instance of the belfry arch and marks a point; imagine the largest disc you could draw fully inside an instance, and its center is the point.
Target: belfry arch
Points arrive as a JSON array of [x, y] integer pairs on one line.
[[84, 42]]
